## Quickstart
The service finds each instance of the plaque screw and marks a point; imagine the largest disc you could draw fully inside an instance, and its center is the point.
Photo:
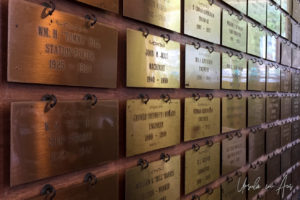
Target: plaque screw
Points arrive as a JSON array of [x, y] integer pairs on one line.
[[165, 157], [51, 6], [48, 191]]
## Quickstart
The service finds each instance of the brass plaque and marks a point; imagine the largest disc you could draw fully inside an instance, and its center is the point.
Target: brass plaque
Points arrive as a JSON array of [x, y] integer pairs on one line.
[[295, 130], [64, 50], [273, 109], [233, 114], [256, 145], [295, 179], [159, 181], [256, 177], [272, 194], [296, 10], [295, 83], [296, 58], [105, 188], [240, 5], [287, 5], [201, 118], [110, 5], [230, 191], [256, 41], [286, 55], [234, 72], [71, 136], [201, 167], [286, 81], [273, 139], [295, 106], [273, 49], [295, 32], [273, 79], [166, 14], [286, 107], [256, 111], [234, 32], [202, 68], [151, 126], [152, 62], [295, 154], [273, 169], [202, 20], [273, 18], [286, 27], [257, 9], [285, 160], [233, 154], [286, 134], [216, 195], [256, 76]]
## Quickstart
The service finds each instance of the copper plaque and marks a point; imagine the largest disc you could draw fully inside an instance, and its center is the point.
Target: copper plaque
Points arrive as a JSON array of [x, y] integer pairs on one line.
[[233, 114], [256, 177], [110, 5], [257, 9], [256, 41], [295, 83], [201, 167], [64, 49], [159, 181], [285, 79], [296, 58], [151, 126], [273, 48], [163, 13], [256, 76], [201, 118], [273, 139], [202, 68], [286, 134], [71, 136], [273, 79], [152, 62], [273, 18], [273, 109], [286, 106], [240, 5], [286, 27], [286, 55], [234, 32], [234, 72], [231, 190], [295, 106], [202, 20]]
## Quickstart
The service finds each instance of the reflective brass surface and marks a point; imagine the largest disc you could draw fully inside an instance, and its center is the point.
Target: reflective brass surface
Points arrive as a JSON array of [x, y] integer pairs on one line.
[[286, 27], [216, 195], [273, 109], [295, 83], [273, 139], [286, 107], [287, 5], [240, 5], [257, 9], [295, 106], [256, 41], [110, 5], [296, 10], [273, 18], [202, 68], [296, 58], [295, 130], [201, 167], [71, 136], [253, 175], [286, 134], [234, 73], [295, 33], [256, 76], [202, 20], [161, 180], [256, 111], [256, 145], [151, 126], [233, 114], [286, 55], [201, 118], [60, 49], [285, 81], [273, 79], [273, 169], [163, 13], [234, 32], [273, 48], [152, 62], [230, 190]]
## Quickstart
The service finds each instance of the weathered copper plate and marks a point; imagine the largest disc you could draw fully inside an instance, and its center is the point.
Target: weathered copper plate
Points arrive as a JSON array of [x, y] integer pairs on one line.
[[256, 111], [201, 167], [273, 139], [202, 20], [295, 130], [286, 81], [256, 145], [286, 55], [256, 41], [273, 109], [256, 177], [71, 136], [165, 14], [295, 83], [273, 48], [152, 62], [151, 126], [202, 68], [234, 73], [106, 188], [110, 5], [240, 5], [273, 79], [64, 50], [161, 180], [230, 191], [234, 32], [295, 106], [286, 27], [273, 18], [201, 118], [296, 58], [286, 134], [257, 9], [216, 195], [233, 154], [273, 168], [233, 114], [286, 107], [256, 76]]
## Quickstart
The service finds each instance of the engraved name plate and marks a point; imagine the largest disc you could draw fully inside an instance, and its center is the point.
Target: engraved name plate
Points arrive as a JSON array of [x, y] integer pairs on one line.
[[286, 106], [273, 79], [152, 62], [295, 82], [286, 134], [273, 168], [230, 189], [296, 58], [110, 5], [71, 136], [256, 76], [296, 10], [295, 106], [295, 130], [286, 55], [273, 48], [256, 175], [273, 139], [240, 5], [286, 27], [257, 9], [60, 49], [285, 79], [273, 109], [256, 41], [273, 18]]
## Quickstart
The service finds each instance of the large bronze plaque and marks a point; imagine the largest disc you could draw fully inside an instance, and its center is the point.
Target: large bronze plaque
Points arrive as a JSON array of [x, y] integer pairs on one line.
[[286, 107], [201, 118], [202, 68], [273, 48], [295, 83], [273, 18], [152, 62], [233, 114], [256, 41], [234, 32], [240, 5], [273, 79], [296, 58], [286, 134], [202, 20], [273, 109], [216, 195], [257, 9], [110, 5], [165, 14], [286, 27], [256, 76], [71, 136], [256, 177], [273, 139], [234, 73], [105, 188], [231, 190], [295, 106], [161, 180], [60, 49], [151, 126], [201, 167], [286, 55], [286, 81], [256, 111]]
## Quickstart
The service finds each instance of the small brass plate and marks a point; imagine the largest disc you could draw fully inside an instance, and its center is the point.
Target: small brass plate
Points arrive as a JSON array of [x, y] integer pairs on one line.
[[286, 107], [110, 5], [286, 81], [286, 55], [240, 5], [273, 169], [273, 139], [295, 83], [295, 106], [286, 134], [257, 9], [256, 111], [230, 190], [256, 145], [273, 49], [273, 18], [273, 79], [296, 58], [256, 41], [256, 76], [273, 109], [286, 27]]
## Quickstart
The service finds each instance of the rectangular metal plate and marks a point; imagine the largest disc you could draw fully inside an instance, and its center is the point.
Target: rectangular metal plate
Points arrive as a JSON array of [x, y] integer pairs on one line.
[[201, 167], [273, 139], [151, 62], [273, 48], [273, 18], [254, 176], [64, 50], [286, 27], [151, 126], [287, 5], [230, 190], [286, 81], [110, 5], [234, 73], [257, 9], [256, 111], [273, 79], [286, 55], [273, 109], [295, 154], [71, 136], [240, 5], [201, 118], [273, 169], [295, 106], [256, 145], [286, 134], [286, 160], [296, 58], [160, 180], [256, 41], [233, 154], [256, 76], [202, 68], [233, 114], [286, 107], [202, 20], [295, 83], [216, 195], [296, 10], [166, 14], [295, 130], [234, 32]]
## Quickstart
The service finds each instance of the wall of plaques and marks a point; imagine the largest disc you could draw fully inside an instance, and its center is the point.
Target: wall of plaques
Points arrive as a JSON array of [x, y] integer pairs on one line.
[[149, 99]]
